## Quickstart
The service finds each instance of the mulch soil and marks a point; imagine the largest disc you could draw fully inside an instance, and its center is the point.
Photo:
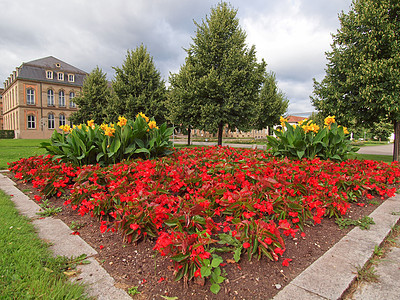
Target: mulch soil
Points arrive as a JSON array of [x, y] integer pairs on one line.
[[139, 265]]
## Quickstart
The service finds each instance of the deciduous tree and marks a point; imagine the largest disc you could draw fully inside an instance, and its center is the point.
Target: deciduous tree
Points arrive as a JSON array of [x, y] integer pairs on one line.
[[226, 77], [138, 87], [93, 99], [363, 72]]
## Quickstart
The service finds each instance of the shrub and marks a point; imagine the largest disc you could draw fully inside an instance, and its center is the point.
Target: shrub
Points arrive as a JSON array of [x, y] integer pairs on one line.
[[7, 134], [107, 144], [307, 140]]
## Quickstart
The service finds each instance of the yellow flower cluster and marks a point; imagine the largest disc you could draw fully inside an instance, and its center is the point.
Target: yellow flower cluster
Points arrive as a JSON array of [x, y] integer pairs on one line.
[[90, 123], [108, 130], [152, 124], [66, 128], [143, 116], [329, 120], [309, 126], [121, 121], [283, 121]]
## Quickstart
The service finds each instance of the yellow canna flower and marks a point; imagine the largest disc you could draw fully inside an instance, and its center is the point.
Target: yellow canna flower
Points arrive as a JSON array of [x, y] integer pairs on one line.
[[122, 121], [143, 116], [91, 123], [79, 126], [103, 126], [345, 130], [329, 120], [109, 131], [66, 128], [152, 124], [302, 121]]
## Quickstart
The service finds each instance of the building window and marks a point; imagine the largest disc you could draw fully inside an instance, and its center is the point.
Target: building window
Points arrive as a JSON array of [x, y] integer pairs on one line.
[[49, 74], [50, 98], [62, 120], [61, 99], [60, 76], [30, 96], [50, 120], [71, 77], [71, 97], [31, 122]]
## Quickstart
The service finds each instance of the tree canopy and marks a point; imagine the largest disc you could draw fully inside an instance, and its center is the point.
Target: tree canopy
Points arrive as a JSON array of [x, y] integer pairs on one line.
[[93, 99], [138, 88], [225, 77], [362, 79], [271, 104]]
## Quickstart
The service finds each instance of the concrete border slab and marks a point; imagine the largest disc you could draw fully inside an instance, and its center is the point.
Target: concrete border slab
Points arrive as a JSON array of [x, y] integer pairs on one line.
[[331, 275]]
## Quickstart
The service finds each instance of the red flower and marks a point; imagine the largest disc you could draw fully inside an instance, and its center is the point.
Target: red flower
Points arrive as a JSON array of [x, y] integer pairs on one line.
[[246, 245], [197, 273], [101, 247], [38, 198], [286, 261]]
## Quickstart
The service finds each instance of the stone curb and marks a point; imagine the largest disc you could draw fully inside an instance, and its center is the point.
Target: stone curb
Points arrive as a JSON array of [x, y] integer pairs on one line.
[[57, 233], [332, 274]]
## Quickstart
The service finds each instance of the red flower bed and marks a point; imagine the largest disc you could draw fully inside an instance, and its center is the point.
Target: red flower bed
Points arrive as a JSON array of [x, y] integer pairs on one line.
[[202, 201]]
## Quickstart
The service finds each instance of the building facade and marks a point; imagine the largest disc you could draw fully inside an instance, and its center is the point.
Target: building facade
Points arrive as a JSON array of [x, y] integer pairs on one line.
[[38, 97], [1, 108]]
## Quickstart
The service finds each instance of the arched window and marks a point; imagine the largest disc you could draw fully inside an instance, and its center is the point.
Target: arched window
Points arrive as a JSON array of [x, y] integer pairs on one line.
[[50, 98], [30, 96], [71, 101], [62, 120], [50, 121], [31, 122], [61, 98]]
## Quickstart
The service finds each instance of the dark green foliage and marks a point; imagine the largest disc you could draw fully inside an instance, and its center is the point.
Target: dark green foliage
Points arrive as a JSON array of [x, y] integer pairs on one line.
[[362, 79], [271, 104], [7, 134], [93, 99], [138, 88], [221, 78]]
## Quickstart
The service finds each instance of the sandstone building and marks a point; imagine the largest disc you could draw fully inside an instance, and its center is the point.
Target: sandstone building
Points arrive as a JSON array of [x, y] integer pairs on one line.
[[38, 97]]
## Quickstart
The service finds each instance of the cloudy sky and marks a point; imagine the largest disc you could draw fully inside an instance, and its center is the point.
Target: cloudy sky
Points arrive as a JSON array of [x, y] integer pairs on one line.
[[291, 35]]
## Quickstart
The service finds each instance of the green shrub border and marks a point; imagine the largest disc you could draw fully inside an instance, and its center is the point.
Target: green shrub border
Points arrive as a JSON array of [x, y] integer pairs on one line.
[[7, 134]]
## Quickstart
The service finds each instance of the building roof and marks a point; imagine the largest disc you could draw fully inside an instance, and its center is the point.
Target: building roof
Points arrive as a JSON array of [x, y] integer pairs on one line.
[[52, 63], [295, 119], [36, 70]]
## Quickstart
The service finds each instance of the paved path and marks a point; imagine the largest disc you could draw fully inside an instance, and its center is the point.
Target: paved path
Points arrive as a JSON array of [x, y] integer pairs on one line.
[[379, 149]]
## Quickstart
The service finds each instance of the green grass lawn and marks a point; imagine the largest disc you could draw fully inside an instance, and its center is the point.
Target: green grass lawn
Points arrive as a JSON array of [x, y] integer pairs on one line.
[[385, 158], [12, 150], [27, 268]]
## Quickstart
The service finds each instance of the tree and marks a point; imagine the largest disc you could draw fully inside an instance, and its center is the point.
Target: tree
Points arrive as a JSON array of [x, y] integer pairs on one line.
[[93, 99], [226, 76], [271, 105], [363, 72], [138, 88], [182, 105]]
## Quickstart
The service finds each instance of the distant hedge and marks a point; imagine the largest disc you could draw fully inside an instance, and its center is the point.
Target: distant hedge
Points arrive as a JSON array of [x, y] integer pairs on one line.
[[7, 134]]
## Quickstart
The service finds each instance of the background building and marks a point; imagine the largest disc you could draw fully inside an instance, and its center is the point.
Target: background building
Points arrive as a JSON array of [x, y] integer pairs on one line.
[[1, 108], [38, 97]]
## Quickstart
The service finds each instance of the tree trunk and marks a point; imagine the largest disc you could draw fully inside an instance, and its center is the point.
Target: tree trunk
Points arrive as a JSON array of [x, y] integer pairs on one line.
[[396, 141], [220, 132], [189, 132]]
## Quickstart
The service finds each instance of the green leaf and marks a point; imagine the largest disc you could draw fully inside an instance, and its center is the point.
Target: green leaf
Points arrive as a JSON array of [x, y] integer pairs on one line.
[[205, 271], [216, 261], [215, 288]]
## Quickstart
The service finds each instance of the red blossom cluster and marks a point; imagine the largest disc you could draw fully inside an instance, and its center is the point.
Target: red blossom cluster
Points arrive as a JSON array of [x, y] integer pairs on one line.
[[189, 200]]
